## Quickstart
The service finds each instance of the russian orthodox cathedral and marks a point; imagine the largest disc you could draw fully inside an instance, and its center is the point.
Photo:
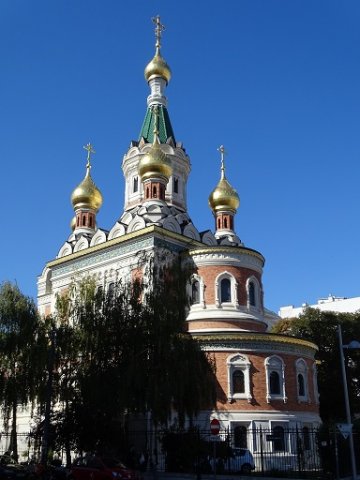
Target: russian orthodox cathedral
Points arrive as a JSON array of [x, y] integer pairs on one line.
[[264, 380]]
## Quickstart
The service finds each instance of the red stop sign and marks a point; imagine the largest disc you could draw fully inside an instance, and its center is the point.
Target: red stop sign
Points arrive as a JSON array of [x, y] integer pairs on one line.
[[214, 426]]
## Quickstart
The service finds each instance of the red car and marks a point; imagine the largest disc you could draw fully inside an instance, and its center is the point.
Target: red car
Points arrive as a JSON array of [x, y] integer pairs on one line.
[[101, 468]]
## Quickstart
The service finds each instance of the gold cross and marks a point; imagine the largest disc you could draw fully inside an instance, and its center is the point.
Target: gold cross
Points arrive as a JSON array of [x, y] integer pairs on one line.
[[158, 30], [223, 152], [90, 150]]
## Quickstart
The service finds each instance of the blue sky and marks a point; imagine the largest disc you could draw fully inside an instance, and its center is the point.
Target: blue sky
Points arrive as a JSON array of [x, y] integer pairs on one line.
[[275, 81]]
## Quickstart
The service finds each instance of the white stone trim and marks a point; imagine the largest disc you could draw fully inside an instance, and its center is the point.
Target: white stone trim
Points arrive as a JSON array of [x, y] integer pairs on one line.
[[275, 364], [239, 361], [233, 285]]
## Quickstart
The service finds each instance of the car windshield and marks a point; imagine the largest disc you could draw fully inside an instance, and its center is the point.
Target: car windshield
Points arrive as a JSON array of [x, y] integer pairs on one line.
[[113, 463]]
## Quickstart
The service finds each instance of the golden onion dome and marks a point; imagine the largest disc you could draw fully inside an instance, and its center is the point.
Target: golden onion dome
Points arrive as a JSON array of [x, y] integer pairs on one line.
[[86, 194], [157, 67], [155, 163], [224, 196], [73, 223]]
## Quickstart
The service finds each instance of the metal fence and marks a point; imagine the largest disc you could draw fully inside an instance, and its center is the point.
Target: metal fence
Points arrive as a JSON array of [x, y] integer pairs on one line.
[[292, 453]]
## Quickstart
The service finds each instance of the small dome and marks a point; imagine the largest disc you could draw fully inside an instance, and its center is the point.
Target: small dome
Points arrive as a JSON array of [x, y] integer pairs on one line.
[[224, 197], [73, 223], [86, 194], [155, 163], [157, 67]]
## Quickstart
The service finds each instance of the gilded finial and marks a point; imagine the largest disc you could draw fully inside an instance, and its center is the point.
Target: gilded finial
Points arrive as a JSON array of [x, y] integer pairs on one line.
[[90, 149], [159, 28], [223, 152]]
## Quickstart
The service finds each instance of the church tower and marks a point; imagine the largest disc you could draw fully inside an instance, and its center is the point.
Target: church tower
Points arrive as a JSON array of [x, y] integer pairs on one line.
[[264, 380]]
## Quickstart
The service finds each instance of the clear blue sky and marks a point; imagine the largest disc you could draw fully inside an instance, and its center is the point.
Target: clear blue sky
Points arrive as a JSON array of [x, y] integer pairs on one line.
[[276, 81]]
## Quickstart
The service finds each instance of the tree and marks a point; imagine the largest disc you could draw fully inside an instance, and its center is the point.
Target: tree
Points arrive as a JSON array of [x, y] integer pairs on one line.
[[320, 327], [129, 354], [20, 358]]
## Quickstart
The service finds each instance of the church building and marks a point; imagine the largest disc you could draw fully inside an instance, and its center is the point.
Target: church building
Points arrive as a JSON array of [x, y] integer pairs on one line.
[[265, 381]]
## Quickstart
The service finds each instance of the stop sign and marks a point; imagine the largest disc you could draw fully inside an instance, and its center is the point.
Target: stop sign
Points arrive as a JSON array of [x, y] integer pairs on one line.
[[214, 426]]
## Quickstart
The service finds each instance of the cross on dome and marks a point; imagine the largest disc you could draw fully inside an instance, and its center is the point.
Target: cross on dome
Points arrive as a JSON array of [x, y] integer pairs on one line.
[[159, 28], [90, 150], [223, 152]]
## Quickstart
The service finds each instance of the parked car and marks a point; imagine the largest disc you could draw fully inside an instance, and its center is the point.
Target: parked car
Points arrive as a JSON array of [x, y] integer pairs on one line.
[[241, 460], [101, 468]]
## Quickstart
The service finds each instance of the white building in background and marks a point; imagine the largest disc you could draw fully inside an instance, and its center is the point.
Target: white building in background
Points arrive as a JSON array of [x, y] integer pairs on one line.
[[330, 303]]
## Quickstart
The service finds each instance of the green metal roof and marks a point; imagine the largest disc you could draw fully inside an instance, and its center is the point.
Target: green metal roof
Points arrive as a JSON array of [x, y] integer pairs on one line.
[[165, 128]]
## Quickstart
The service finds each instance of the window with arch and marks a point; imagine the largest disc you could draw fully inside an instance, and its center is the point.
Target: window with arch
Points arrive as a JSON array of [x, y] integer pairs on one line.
[[239, 377], [195, 292], [225, 290], [135, 184], [274, 383], [301, 378], [111, 291], [275, 379], [253, 292], [176, 185], [240, 436]]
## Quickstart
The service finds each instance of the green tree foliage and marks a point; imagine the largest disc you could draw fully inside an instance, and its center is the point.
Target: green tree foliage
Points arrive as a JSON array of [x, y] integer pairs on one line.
[[21, 358], [321, 327], [127, 353]]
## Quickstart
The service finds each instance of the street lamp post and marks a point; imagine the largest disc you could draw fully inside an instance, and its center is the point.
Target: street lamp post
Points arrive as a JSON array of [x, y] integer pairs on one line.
[[346, 398]]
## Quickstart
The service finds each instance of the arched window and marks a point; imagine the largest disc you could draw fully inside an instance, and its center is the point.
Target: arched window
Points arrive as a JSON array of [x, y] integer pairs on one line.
[[195, 292], [279, 439], [154, 192], [301, 377], [225, 290], [301, 385], [252, 300], [240, 436], [274, 383], [90, 221], [83, 221], [111, 291], [147, 192], [239, 377], [275, 379], [176, 185], [225, 222], [238, 381], [135, 184]]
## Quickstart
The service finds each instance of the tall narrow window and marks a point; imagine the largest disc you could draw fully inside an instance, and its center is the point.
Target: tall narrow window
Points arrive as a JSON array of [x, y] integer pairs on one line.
[[176, 185], [252, 299], [238, 380], [225, 290], [195, 292], [239, 368], [135, 184], [111, 291], [275, 379], [279, 439], [301, 385], [306, 438], [83, 221], [240, 436], [274, 383]]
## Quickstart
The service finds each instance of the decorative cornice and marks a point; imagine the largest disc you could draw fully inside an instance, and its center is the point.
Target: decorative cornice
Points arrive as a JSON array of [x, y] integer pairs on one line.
[[226, 249], [160, 232], [253, 337]]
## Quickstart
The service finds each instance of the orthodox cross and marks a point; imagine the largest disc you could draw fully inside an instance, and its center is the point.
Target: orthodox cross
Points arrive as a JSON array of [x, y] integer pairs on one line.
[[158, 30], [90, 150], [223, 152]]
